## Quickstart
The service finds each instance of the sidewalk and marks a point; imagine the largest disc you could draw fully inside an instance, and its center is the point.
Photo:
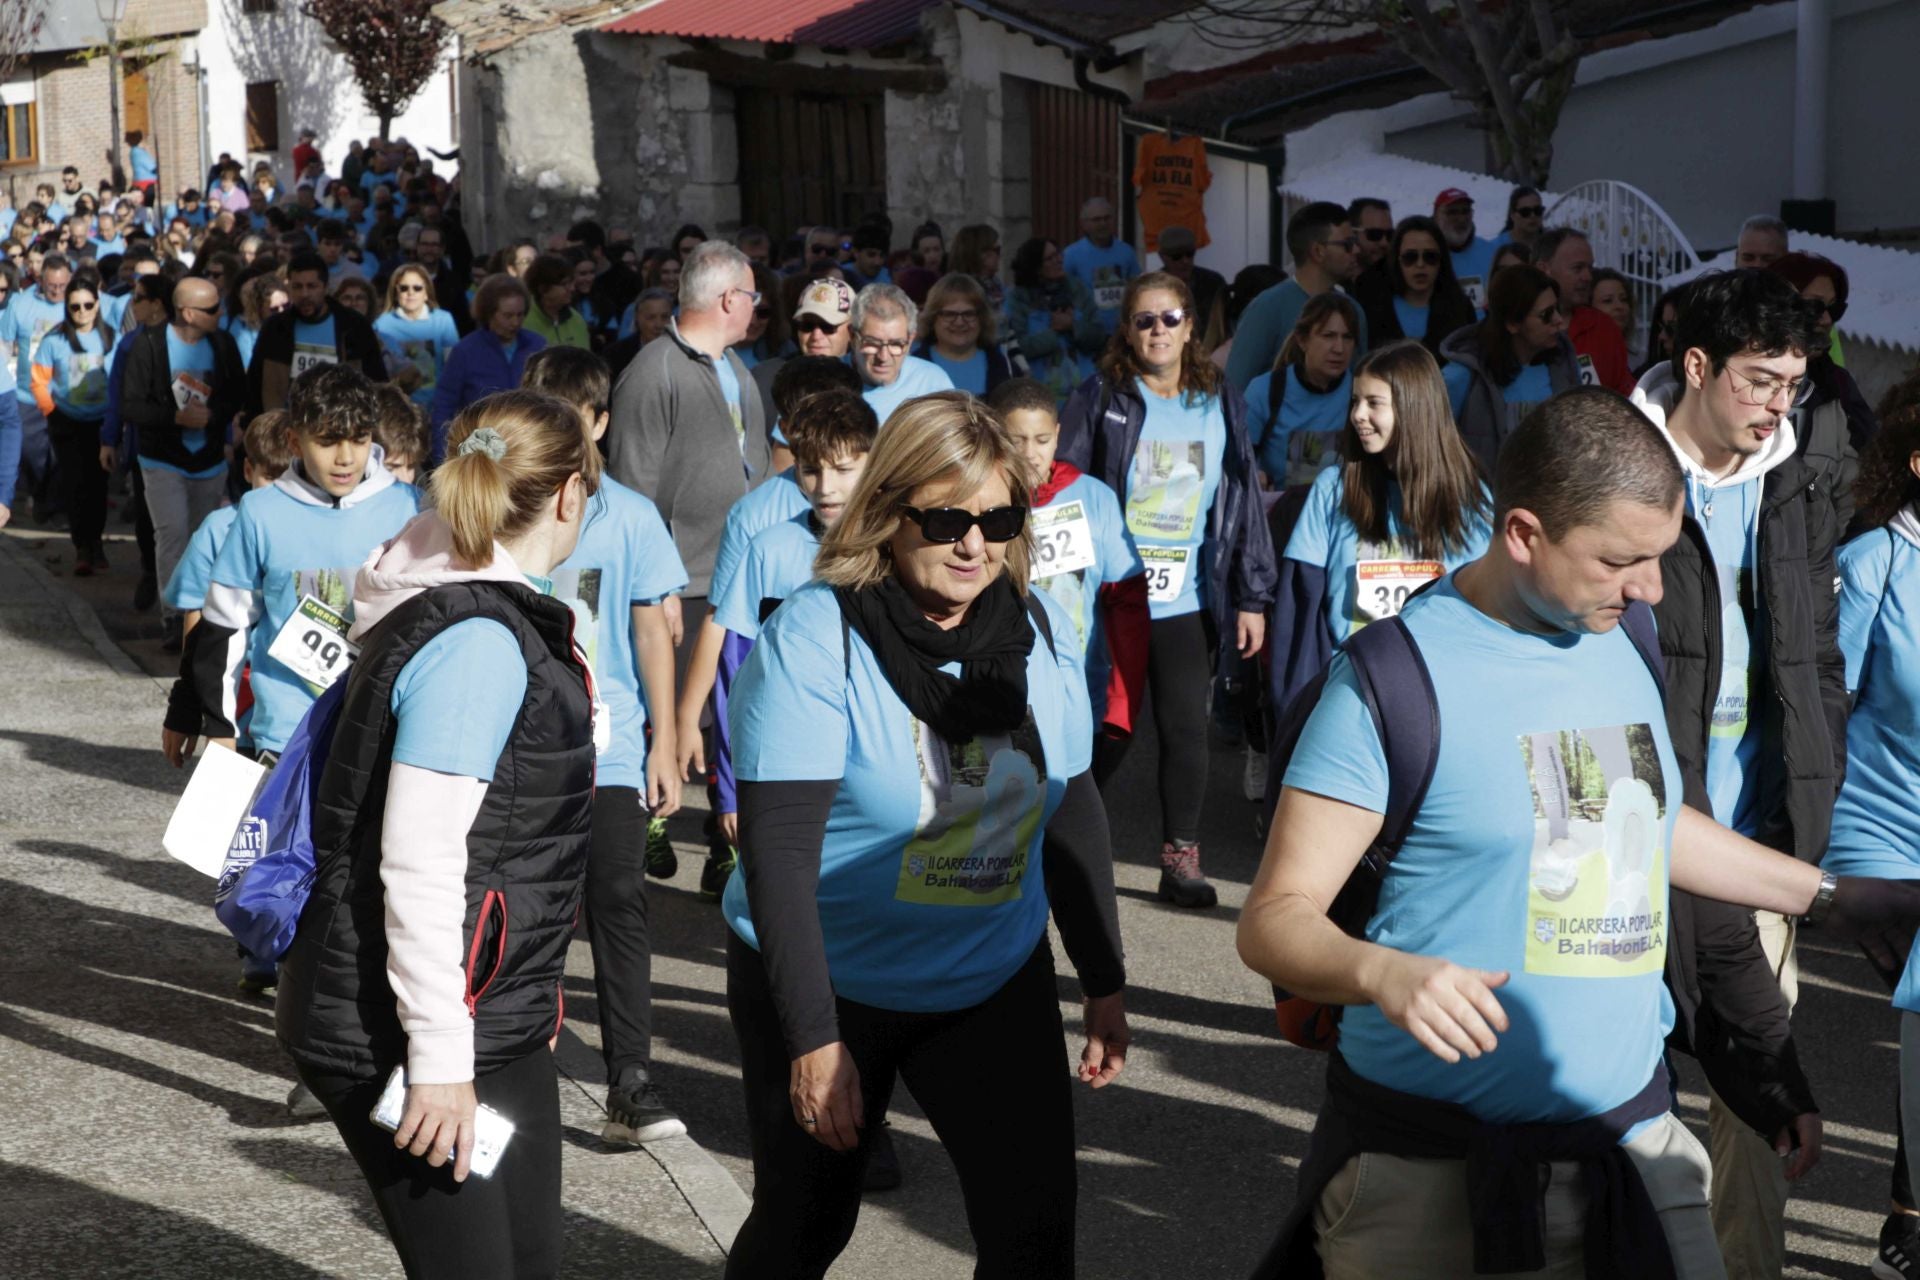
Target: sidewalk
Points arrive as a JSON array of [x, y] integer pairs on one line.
[[145, 1128]]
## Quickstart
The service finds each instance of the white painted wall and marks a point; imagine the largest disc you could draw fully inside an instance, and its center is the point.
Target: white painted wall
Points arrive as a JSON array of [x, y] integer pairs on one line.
[[317, 89], [1703, 122]]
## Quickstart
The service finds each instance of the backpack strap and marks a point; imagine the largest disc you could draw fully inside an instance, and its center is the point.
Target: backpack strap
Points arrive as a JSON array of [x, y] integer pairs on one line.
[[1640, 627], [1276, 397], [1398, 689]]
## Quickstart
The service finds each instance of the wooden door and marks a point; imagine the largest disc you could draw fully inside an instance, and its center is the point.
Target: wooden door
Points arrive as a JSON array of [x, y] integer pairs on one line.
[[134, 111], [1076, 156], [809, 159]]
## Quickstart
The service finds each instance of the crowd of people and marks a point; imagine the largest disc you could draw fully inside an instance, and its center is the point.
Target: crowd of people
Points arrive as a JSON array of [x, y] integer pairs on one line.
[[891, 552]]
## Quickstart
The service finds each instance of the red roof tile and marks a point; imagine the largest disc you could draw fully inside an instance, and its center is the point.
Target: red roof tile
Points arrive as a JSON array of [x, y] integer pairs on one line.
[[840, 24]]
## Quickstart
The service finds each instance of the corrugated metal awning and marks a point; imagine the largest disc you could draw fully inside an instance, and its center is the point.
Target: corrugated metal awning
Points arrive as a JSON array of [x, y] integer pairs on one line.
[[1882, 283], [836, 24]]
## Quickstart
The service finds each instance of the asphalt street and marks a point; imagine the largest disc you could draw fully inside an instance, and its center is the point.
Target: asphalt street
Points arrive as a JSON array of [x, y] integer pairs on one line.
[[141, 1093]]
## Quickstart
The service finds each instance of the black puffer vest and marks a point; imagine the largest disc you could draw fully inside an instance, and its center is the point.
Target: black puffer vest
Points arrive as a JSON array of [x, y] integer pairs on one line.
[[526, 852]]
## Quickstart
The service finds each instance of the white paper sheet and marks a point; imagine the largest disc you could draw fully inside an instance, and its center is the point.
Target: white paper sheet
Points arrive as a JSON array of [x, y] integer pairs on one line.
[[210, 809]]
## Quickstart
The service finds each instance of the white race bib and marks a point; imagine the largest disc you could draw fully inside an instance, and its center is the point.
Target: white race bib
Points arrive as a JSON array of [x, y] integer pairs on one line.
[[308, 356], [1588, 377], [1166, 572], [1062, 540], [1476, 291], [1108, 297], [313, 644], [1381, 587], [189, 388]]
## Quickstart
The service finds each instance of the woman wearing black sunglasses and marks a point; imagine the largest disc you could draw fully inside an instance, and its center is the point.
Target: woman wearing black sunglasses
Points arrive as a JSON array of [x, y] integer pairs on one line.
[[1834, 418], [1416, 295], [1163, 429], [906, 735]]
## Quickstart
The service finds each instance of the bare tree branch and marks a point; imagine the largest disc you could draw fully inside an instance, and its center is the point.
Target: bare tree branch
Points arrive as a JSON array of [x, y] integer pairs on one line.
[[20, 24]]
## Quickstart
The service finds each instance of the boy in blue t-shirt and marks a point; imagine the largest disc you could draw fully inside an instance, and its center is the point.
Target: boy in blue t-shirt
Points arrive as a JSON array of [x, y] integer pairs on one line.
[[267, 456], [617, 581], [403, 434], [280, 598]]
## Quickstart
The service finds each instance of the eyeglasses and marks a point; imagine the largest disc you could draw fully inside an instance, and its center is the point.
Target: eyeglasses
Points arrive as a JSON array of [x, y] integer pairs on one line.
[[1419, 257], [1528, 210], [1547, 315], [753, 296], [950, 524], [958, 315], [874, 346], [1145, 320], [1834, 310], [1767, 390], [1377, 234], [814, 324]]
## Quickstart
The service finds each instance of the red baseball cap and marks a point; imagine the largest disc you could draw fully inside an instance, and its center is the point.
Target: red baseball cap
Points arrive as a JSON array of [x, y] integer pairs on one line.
[[1452, 195]]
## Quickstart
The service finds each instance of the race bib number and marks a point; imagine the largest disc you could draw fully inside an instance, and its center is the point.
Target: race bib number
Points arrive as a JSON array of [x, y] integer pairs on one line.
[[1166, 572], [189, 389], [1476, 291], [308, 356], [1108, 297], [313, 644], [1062, 540], [1588, 376], [1381, 587]]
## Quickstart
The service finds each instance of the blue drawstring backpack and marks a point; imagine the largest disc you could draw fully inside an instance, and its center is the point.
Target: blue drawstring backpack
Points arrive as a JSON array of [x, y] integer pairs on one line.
[[270, 864]]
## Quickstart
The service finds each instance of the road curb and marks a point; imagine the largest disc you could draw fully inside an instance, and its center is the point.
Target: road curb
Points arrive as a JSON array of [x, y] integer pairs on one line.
[[716, 1199], [85, 621]]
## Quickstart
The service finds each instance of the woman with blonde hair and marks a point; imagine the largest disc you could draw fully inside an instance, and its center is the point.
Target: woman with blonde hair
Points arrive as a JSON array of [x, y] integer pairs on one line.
[[261, 299], [907, 734], [452, 824], [416, 333], [959, 331]]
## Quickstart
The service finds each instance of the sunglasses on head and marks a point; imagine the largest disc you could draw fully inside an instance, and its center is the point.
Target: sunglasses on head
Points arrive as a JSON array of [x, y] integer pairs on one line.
[[1145, 320], [1419, 257], [950, 524], [1376, 234]]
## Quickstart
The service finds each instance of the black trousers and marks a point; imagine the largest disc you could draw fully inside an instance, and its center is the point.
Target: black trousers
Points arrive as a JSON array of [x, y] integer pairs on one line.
[[142, 518], [83, 481], [507, 1226], [993, 1080], [618, 932], [1179, 669]]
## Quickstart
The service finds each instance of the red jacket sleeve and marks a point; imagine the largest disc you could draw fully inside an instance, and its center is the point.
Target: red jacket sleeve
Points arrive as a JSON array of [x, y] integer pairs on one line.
[[1600, 340], [1126, 624]]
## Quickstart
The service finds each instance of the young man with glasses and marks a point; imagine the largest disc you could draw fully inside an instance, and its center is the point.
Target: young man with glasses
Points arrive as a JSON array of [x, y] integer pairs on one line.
[[1326, 255], [1372, 221], [884, 322], [1757, 705]]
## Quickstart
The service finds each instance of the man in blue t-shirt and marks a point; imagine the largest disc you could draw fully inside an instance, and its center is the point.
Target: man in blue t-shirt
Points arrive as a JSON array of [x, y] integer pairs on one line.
[[1511, 971], [1472, 253], [1100, 262], [884, 322], [1326, 256]]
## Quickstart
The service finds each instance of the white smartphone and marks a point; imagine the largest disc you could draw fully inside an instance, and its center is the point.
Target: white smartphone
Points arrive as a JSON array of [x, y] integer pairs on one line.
[[491, 1130]]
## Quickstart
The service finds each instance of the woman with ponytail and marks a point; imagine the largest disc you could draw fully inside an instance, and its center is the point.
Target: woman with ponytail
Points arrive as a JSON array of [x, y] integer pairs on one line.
[[450, 830]]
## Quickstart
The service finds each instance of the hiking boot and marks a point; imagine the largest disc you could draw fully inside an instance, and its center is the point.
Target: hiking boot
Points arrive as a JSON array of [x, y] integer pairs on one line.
[[1180, 880], [1899, 1256], [145, 593], [883, 1162], [713, 876], [1253, 779], [302, 1105], [662, 861], [635, 1113]]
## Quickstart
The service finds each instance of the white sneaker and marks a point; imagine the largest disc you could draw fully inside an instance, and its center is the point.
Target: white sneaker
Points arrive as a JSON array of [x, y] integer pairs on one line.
[[1253, 780]]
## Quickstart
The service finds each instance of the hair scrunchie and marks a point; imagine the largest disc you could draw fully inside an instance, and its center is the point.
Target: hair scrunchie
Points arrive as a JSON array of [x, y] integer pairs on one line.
[[486, 440]]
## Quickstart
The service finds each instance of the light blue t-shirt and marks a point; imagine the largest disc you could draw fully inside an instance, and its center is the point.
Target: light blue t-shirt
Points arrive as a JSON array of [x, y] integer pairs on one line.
[[314, 344], [282, 549], [79, 383], [244, 336], [625, 557], [1305, 441], [456, 700], [1473, 267], [1733, 741], [1083, 519], [917, 378], [28, 319], [1412, 319], [1368, 581], [779, 562], [1170, 489], [1541, 849], [966, 375], [145, 167], [932, 893], [187, 588], [192, 366], [1105, 272], [762, 508], [1874, 833], [730, 390], [422, 343], [1533, 386]]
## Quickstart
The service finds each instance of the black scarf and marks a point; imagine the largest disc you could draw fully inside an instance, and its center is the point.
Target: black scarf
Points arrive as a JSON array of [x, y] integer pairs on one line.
[[991, 646]]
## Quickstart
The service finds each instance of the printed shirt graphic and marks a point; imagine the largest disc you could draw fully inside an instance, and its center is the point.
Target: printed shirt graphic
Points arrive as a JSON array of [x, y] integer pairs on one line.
[[79, 383], [422, 344], [314, 345], [192, 366], [1522, 396], [1115, 559], [730, 392], [28, 319], [1305, 439], [625, 557], [1062, 371], [1172, 176], [1541, 850], [1170, 491], [931, 891], [1729, 515], [1105, 272]]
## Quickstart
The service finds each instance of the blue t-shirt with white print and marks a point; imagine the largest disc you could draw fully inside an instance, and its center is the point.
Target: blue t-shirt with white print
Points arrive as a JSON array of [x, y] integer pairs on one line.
[[762, 508], [1541, 849], [625, 557], [730, 392], [1305, 440], [1105, 272], [79, 382], [1171, 485], [191, 364], [779, 562], [932, 893], [28, 319], [1083, 519], [290, 541], [422, 343], [1729, 515], [1367, 581], [187, 588], [918, 377]]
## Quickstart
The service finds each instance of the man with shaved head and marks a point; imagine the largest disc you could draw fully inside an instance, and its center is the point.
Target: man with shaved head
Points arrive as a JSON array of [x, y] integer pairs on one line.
[[184, 383], [1100, 262]]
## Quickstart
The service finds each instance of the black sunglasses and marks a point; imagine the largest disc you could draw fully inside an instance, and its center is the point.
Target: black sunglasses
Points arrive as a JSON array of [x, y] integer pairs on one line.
[[1834, 310], [814, 324], [1144, 320], [1528, 210], [1376, 234], [1417, 257], [950, 524]]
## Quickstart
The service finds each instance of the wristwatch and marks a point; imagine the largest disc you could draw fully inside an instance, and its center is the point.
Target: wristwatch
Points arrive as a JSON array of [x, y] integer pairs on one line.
[[1822, 898]]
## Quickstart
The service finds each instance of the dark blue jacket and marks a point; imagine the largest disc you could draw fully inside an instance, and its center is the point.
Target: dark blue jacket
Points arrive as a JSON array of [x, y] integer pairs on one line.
[[477, 366], [1099, 433]]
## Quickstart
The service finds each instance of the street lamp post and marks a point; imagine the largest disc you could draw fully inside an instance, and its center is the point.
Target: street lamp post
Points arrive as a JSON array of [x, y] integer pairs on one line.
[[111, 12]]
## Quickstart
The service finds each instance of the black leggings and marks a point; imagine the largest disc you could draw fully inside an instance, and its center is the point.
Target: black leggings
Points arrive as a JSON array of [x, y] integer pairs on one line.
[[617, 921], [83, 481], [142, 519], [994, 1083], [1179, 669], [507, 1226]]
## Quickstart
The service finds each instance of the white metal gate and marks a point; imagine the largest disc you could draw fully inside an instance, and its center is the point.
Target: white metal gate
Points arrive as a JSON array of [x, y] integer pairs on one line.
[[1634, 236]]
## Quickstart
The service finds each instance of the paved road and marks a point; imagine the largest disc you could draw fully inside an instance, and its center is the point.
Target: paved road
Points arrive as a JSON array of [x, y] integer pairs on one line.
[[122, 1016]]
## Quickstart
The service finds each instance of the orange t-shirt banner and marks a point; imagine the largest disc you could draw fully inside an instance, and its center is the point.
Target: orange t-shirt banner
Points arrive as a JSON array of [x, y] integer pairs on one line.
[[1171, 175]]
